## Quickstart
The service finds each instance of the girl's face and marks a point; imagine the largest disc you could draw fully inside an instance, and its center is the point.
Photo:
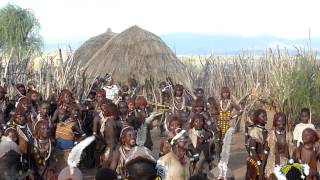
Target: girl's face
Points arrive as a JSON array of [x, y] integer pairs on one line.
[[198, 109], [67, 98], [130, 138], [199, 94], [43, 130], [34, 97], [123, 108], [22, 90], [25, 105], [225, 95], [198, 123], [104, 109], [174, 125], [130, 106], [280, 123], [184, 116], [262, 118], [62, 114], [142, 107], [99, 98], [20, 119], [178, 93], [44, 109]]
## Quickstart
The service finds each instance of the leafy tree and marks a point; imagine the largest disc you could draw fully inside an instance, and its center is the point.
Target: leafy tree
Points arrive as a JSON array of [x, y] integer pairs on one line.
[[19, 30]]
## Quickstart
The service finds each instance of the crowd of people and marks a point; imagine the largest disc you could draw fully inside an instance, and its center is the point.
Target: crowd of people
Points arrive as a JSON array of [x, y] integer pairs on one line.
[[59, 136]]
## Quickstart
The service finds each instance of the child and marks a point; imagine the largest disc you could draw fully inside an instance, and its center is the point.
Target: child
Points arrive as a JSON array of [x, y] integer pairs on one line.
[[306, 153], [258, 146], [304, 124], [165, 146]]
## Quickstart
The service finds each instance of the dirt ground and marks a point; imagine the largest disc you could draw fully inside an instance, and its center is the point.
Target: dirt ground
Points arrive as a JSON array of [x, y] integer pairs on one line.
[[237, 161]]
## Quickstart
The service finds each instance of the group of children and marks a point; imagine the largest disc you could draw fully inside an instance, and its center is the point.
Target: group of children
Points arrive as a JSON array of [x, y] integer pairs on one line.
[[279, 153], [47, 138]]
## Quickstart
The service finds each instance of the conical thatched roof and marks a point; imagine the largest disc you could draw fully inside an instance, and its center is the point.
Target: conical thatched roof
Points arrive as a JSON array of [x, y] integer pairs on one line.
[[139, 53], [91, 46]]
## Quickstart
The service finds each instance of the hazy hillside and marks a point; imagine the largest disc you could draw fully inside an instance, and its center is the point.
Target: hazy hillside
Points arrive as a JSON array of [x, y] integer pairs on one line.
[[202, 44]]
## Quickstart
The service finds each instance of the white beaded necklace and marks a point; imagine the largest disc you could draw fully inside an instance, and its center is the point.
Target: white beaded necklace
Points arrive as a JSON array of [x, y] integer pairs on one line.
[[175, 106], [227, 107]]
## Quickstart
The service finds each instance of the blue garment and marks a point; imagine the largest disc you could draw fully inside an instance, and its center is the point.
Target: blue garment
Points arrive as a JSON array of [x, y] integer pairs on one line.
[[64, 144]]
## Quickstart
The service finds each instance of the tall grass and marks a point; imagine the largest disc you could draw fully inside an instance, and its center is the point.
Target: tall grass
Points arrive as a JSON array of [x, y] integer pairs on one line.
[[282, 81]]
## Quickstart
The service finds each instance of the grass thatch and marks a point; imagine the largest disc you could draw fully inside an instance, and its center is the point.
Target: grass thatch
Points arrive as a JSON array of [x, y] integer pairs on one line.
[[139, 53], [91, 46]]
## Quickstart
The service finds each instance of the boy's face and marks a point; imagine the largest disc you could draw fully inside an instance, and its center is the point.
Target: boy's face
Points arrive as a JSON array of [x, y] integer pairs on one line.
[[305, 117], [308, 136]]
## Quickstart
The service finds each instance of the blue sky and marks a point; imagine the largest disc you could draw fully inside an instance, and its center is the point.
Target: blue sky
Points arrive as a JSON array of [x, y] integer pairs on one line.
[[68, 20]]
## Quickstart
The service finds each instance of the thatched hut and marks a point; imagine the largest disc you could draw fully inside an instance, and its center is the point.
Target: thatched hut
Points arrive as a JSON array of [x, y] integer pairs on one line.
[[139, 53], [91, 46]]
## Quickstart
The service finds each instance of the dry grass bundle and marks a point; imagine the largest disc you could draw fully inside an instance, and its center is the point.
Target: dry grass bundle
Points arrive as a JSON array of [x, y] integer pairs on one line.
[[139, 53], [65, 74]]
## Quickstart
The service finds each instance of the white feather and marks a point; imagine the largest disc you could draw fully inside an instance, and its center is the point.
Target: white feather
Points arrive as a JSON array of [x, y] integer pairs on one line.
[[225, 154], [141, 135], [278, 173], [152, 116], [75, 154], [162, 170], [306, 169]]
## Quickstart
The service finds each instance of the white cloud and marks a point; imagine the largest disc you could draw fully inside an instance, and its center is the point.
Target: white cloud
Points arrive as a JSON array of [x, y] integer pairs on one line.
[[63, 20]]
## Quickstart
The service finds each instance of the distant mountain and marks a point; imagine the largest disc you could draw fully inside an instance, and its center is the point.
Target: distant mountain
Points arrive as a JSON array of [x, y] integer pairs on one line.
[[203, 44]]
